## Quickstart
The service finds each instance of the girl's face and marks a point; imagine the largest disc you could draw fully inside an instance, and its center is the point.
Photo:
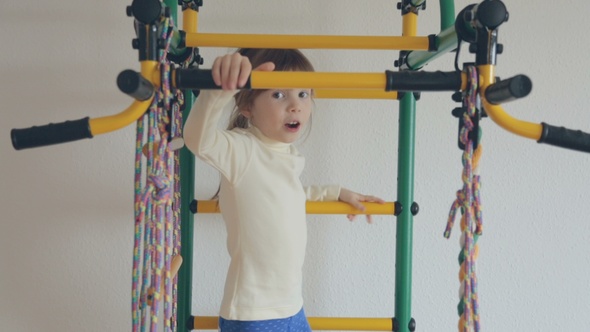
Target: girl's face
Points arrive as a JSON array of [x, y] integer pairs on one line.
[[281, 114]]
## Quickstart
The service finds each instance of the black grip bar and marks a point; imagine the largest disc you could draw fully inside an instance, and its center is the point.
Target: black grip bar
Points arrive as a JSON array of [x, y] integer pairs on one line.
[[136, 86], [565, 138], [199, 79], [53, 133], [509, 89], [394, 81], [415, 81]]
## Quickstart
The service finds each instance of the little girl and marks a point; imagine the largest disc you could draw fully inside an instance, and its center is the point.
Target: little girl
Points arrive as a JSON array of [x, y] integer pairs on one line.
[[261, 198]]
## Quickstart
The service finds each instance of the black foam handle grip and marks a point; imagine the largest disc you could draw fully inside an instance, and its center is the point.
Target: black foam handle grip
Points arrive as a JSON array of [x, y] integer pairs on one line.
[[53, 133], [565, 138], [197, 79], [416, 81], [135, 85], [509, 89]]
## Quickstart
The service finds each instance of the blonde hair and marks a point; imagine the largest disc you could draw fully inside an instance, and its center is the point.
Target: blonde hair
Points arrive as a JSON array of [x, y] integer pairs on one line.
[[283, 59]]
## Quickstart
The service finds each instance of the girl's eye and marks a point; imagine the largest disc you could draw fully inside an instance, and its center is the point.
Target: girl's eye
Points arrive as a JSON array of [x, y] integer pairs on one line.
[[303, 94], [278, 95]]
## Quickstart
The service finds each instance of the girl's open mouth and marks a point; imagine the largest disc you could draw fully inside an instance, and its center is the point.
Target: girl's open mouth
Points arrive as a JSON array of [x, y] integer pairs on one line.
[[293, 124]]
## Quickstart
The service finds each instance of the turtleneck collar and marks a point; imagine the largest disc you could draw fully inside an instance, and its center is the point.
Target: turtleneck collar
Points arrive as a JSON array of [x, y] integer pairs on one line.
[[282, 146]]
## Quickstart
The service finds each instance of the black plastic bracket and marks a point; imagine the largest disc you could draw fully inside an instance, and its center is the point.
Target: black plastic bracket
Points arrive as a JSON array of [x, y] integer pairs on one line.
[[412, 325], [394, 324], [432, 46], [402, 60], [415, 208], [406, 7], [193, 206], [478, 25], [192, 4], [399, 208], [401, 94], [190, 323], [146, 42]]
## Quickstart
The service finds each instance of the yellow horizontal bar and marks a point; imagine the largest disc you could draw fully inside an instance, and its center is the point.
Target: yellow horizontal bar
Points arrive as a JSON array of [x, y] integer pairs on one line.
[[149, 70], [387, 208], [351, 324], [497, 113], [345, 208], [316, 323], [205, 322], [354, 94], [307, 41], [317, 80]]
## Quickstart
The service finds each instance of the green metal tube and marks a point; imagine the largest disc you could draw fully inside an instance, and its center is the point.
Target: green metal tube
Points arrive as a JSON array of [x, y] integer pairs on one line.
[[185, 274], [175, 43], [405, 196], [187, 189], [447, 14], [446, 40]]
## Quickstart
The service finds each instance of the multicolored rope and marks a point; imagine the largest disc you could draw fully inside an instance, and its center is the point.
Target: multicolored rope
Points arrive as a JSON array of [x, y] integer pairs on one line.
[[469, 203], [157, 203]]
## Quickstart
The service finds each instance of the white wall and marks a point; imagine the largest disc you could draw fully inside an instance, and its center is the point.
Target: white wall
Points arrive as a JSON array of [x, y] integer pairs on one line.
[[66, 211]]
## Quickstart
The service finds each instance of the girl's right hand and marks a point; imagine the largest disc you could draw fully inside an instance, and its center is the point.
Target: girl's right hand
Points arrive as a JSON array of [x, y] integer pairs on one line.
[[232, 71]]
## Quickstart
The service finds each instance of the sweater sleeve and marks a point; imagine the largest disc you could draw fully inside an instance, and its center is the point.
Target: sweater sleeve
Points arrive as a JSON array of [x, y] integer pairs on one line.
[[322, 193], [225, 150]]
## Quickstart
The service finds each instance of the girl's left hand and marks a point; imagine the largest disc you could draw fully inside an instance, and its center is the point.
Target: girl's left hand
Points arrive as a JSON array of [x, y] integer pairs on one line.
[[355, 200]]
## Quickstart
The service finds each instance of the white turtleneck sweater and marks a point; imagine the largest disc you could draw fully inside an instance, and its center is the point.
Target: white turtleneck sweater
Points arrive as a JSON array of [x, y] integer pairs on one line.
[[262, 203]]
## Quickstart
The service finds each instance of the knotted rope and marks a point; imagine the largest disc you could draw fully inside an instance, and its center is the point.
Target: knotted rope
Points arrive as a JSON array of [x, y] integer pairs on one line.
[[157, 203], [469, 202]]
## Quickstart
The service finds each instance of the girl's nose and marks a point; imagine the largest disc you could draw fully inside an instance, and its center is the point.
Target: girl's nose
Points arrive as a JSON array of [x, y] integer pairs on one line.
[[295, 106]]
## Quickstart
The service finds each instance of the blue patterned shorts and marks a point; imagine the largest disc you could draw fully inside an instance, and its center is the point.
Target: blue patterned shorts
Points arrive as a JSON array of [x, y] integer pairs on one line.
[[297, 323]]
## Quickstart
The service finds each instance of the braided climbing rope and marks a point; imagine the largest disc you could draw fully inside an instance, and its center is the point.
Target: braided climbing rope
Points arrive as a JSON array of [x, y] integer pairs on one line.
[[469, 202], [157, 203]]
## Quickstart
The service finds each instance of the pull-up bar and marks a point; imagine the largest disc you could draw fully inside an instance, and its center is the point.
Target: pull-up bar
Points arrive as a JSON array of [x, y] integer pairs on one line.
[[141, 87], [310, 41], [388, 81]]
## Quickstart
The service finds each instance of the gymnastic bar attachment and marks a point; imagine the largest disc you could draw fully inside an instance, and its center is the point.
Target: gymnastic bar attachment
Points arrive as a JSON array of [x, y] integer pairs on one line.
[[389, 81], [494, 93], [132, 83], [388, 208], [316, 323]]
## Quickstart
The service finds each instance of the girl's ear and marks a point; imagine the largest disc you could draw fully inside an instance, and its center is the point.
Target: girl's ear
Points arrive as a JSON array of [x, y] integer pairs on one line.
[[246, 113]]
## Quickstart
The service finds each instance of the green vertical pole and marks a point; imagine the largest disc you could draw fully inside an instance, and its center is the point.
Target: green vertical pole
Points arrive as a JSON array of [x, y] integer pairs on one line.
[[405, 197], [185, 274], [405, 178], [187, 189]]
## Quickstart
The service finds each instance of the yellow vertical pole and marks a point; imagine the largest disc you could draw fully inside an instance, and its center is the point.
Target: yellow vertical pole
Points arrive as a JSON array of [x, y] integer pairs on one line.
[[190, 19]]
